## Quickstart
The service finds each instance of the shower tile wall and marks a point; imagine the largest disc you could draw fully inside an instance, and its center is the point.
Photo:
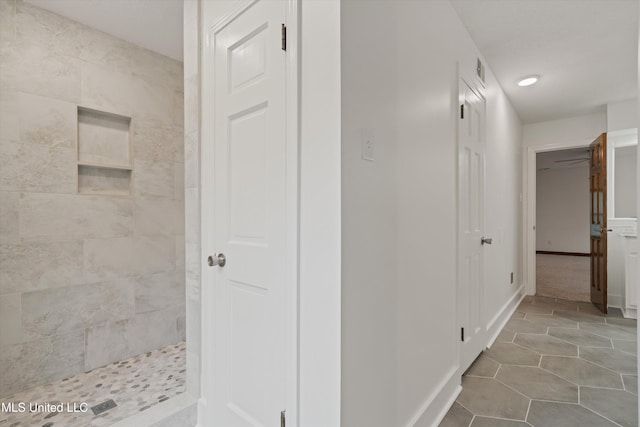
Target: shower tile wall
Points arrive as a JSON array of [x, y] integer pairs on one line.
[[85, 280]]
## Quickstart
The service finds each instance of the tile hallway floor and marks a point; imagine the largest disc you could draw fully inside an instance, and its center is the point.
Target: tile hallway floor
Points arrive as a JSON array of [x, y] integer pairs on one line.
[[135, 384], [556, 363]]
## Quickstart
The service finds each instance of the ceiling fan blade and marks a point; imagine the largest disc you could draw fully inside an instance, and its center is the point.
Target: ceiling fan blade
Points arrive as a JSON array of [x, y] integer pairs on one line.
[[581, 159]]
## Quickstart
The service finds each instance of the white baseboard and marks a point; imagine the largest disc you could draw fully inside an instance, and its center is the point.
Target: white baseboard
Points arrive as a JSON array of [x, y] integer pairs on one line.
[[614, 301], [629, 312], [449, 403], [496, 324], [437, 404]]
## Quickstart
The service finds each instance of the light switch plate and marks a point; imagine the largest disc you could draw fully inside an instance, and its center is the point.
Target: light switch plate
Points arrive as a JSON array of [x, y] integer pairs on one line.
[[367, 144]]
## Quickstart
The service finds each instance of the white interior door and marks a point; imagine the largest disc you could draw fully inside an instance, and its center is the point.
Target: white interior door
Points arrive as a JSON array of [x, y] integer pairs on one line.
[[471, 183], [251, 332]]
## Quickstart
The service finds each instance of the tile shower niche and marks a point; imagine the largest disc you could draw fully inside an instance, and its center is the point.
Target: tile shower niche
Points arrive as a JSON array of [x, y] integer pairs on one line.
[[104, 153]]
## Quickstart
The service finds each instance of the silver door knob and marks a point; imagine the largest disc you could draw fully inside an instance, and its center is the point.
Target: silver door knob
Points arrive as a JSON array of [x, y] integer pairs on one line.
[[218, 260], [486, 240]]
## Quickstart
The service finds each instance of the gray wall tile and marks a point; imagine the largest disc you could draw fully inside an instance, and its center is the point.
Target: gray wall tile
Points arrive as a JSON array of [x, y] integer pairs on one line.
[[37, 168], [7, 21], [40, 265], [157, 69], [153, 179], [9, 207], [47, 121], [118, 340], [40, 361], [122, 93], [63, 217], [10, 319], [9, 114], [159, 216], [157, 140], [33, 68], [56, 311], [159, 292], [124, 257]]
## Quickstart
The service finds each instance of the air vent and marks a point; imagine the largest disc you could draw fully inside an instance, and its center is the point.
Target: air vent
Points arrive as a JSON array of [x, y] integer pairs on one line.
[[480, 70]]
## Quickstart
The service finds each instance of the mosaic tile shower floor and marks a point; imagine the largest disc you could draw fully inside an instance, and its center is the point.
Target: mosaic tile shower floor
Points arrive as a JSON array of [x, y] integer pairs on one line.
[[134, 384]]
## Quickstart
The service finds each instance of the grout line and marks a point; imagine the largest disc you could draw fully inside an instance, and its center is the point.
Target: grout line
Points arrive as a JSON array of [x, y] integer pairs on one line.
[[500, 418], [497, 370], [600, 415], [473, 417], [579, 394], [562, 378], [605, 388], [470, 411], [509, 387], [557, 401], [528, 409]]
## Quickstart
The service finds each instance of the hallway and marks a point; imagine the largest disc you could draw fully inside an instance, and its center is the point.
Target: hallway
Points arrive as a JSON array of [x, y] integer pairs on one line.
[[564, 277], [556, 363]]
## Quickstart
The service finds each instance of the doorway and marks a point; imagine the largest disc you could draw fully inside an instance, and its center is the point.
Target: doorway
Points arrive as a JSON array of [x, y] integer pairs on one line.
[[562, 221], [530, 208]]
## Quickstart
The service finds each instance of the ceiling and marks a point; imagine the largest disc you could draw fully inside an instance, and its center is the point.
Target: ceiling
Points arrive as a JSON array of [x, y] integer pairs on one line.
[[152, 24], [584, 50]]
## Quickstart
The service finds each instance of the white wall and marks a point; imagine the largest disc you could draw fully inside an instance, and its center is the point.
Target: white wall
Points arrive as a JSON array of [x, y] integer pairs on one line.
[[625, 177], [369, 219], [579, 128], [399, 347], [622, 115], [562, 210], [320, 248]]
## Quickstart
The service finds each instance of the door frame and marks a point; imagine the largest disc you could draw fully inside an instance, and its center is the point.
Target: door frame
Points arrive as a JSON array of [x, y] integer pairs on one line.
[[207, 208], [529, 210]]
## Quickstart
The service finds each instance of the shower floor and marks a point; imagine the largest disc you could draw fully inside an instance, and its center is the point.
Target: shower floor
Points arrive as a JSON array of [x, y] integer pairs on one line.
[[134, 384]]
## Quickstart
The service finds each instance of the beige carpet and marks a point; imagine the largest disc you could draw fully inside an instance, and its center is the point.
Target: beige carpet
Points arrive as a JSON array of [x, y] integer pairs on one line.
[[562, 276]]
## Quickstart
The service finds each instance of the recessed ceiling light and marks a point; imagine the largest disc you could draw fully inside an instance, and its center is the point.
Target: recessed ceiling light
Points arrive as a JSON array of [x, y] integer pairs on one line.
[[528, 81]]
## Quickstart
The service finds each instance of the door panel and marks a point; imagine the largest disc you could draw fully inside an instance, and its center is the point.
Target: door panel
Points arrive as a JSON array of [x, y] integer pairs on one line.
[[251, 308], [598, 216], [471, 164]]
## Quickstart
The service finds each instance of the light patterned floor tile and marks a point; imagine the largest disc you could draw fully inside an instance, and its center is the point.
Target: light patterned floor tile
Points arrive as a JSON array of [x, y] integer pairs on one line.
[[134, 384]]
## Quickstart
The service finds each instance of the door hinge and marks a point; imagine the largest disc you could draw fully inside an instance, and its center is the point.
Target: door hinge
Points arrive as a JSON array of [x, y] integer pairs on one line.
[[462, 111], [283, 418], [284, 37], [462, 334]]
